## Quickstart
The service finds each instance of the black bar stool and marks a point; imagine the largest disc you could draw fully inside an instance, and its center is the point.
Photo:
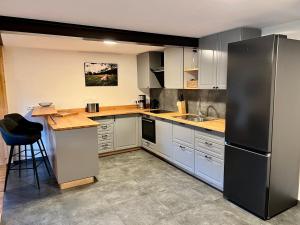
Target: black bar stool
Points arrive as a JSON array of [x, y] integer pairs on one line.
[[31, 127], [16, 135]]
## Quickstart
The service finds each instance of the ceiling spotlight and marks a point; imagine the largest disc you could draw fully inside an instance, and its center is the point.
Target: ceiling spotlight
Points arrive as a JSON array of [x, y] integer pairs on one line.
[[109, 42]]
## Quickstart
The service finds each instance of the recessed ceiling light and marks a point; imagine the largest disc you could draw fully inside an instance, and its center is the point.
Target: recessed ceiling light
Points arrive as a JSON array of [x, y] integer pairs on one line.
[[109, 42]]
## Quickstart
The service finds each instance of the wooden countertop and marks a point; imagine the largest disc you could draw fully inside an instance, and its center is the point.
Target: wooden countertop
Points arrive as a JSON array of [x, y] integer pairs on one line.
[[215, 125], [43, 111], [71, 122], [82, 118]]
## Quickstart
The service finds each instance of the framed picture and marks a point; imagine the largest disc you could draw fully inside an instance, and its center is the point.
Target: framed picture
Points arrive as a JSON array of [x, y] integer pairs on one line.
[[101, 74]]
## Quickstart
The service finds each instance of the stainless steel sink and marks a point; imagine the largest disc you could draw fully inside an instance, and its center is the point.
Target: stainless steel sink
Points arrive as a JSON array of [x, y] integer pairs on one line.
[[195, 118]]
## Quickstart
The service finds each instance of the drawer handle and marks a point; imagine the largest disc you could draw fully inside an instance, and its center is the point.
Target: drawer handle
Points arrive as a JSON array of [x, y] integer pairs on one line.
[[208, 143], [208, 157], [104, 145], [104, 126], [104, 136]]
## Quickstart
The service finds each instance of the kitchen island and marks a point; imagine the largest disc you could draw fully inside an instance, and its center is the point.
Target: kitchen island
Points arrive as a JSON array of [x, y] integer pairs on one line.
[[72, 151], [73, 138]]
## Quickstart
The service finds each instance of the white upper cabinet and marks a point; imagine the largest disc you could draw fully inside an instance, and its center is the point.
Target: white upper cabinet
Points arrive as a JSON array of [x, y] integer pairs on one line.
[[208, 61], [145, 62], [173, 66], [213, 53], [143, 68]]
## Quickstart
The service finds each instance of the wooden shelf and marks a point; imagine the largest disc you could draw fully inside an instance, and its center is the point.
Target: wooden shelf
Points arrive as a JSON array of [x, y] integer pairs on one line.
[[190, 70]]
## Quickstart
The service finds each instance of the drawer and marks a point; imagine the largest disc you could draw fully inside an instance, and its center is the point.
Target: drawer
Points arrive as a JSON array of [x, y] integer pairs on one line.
[[183, 134], [108, 119], [210, 136], [148, 145], [184, 157], [105, 136], [209, 147], [210, 169], [105, 146], [105, 127]]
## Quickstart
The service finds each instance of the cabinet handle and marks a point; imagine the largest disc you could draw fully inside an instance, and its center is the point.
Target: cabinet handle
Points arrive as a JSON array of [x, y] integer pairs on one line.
[[217, 87], [182, 147], [104, 126], [208, 157], [104, 136], [148, 120], [207, 143]]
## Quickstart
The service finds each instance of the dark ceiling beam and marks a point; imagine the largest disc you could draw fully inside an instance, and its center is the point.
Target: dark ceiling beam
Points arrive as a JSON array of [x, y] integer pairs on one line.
[[15, 24]]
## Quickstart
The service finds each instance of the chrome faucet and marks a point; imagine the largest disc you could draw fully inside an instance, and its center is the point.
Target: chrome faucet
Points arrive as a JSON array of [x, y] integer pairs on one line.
[[213, 108]]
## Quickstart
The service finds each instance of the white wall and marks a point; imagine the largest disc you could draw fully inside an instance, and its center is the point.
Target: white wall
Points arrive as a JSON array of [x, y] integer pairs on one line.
[[38, 75], [291, 30]]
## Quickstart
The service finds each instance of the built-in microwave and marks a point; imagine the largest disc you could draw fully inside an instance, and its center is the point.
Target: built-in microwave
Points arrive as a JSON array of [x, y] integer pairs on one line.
[[148, 129]]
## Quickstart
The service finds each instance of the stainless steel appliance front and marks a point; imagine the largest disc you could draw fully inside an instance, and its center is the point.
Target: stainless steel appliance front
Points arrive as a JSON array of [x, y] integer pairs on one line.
[[148, 129]]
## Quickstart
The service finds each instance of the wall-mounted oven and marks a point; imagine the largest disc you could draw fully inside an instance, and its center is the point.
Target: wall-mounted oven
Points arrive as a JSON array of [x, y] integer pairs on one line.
[[148, 129]]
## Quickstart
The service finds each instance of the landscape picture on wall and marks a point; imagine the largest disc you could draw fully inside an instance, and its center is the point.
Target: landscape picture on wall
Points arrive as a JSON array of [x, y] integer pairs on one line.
[[101, 74]]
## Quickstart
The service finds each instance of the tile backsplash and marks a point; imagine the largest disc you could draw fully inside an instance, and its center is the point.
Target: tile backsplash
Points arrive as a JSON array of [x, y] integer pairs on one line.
[[197, 100]]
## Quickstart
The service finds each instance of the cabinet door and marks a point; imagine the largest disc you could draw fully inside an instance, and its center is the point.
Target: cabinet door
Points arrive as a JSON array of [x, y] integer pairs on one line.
[[209, 169], [184, 157], [143, 70], [173, 65], [208, 62], [224, 39], [125, 132], [164, 144], [184, 135]]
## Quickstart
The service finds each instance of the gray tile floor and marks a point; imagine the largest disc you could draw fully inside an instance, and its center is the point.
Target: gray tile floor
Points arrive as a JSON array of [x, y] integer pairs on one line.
[[133, 189]]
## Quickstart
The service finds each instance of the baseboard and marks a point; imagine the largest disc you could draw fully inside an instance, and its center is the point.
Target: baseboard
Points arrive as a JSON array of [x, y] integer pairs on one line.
[[76, 183], [118, 152]]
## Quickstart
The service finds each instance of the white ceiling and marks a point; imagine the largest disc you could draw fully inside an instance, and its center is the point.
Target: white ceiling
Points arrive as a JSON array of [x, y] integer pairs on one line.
[[193, 18], [72, 44], [291, 30]]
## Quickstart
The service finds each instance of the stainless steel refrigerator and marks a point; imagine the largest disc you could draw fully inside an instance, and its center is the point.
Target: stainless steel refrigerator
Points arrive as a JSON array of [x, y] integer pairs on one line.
[[261, 172]]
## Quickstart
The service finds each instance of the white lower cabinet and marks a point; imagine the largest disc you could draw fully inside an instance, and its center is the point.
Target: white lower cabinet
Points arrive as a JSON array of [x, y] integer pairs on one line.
[[125, 132], [184, 157], [183, 134], [149, 145], [105, 134], [197, 151], [209, 169], [164, 143], [117, 132]]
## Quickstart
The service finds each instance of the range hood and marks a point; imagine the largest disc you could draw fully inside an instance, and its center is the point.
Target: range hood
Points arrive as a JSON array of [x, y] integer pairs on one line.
[[158, 70], [157, 67]]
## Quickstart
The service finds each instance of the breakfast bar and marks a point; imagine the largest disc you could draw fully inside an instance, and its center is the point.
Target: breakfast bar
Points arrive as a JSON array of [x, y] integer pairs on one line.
[[72, 151]]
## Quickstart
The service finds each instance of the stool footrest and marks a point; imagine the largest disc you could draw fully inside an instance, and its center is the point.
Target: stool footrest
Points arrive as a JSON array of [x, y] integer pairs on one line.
[[13, 166]]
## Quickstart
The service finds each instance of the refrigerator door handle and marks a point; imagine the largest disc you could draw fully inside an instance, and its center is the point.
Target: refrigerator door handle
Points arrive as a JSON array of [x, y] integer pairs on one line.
[[268, 155]]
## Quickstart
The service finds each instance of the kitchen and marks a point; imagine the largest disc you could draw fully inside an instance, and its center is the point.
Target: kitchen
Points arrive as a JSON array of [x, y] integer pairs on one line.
[[152, 146]]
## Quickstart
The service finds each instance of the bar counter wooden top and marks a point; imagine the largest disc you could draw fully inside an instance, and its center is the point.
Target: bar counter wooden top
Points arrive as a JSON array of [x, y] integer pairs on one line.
[[82, 119]]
